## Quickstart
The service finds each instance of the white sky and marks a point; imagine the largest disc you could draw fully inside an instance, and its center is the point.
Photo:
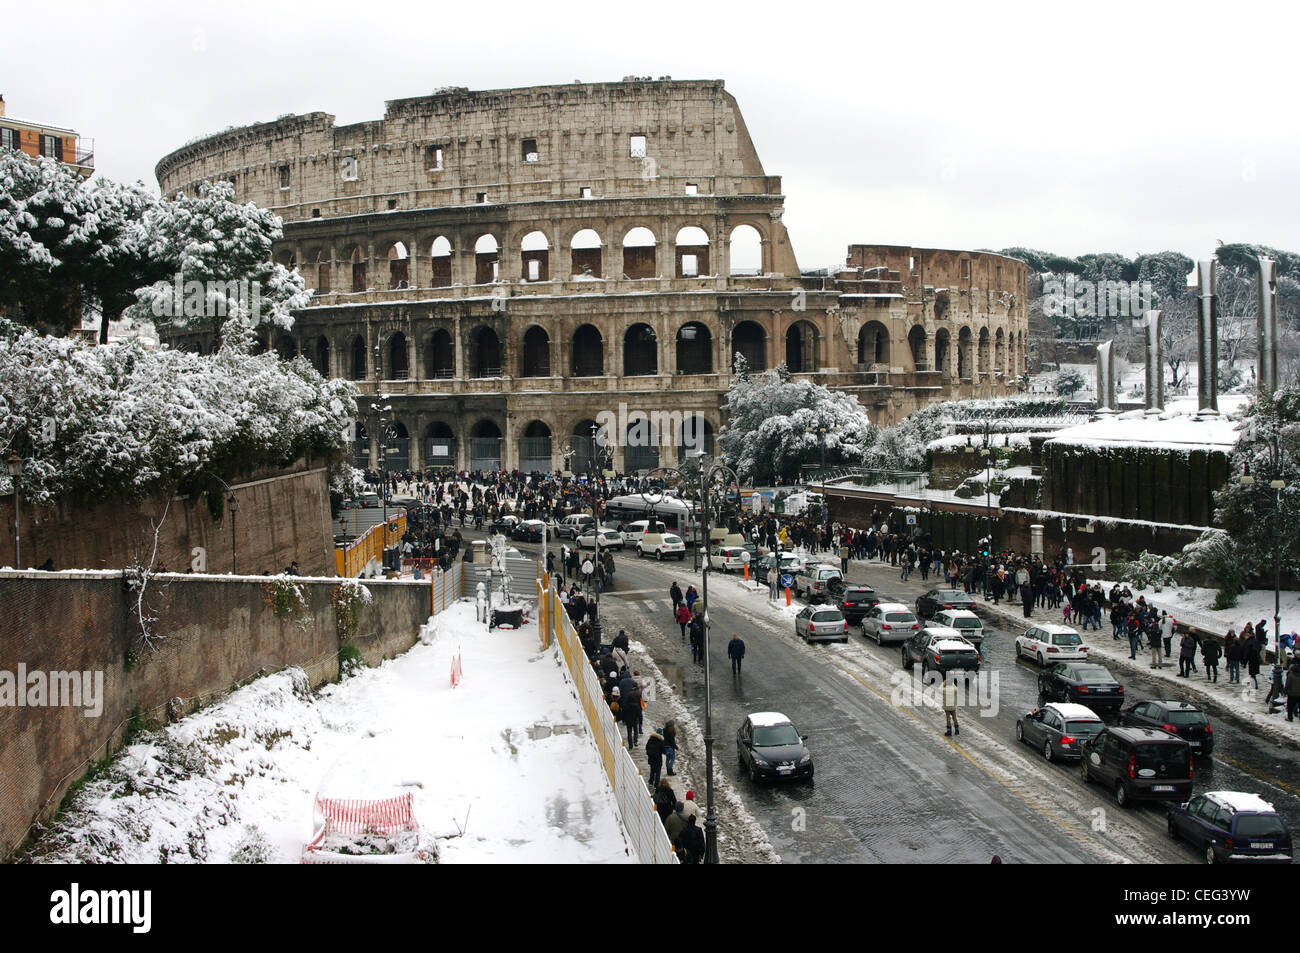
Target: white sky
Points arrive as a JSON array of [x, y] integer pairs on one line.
[[1123, 127]]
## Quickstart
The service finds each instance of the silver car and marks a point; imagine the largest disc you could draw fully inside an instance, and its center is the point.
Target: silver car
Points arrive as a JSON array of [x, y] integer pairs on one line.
[[890, 622], [821, 624]]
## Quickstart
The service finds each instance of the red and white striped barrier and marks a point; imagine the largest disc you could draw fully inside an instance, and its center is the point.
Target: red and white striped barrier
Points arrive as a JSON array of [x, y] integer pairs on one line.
[[457, 672]]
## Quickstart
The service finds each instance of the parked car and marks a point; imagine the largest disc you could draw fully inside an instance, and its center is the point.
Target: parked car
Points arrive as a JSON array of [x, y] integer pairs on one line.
[[667, 546], [1047, 642], [572, 525], [965, 622], [504, 525], [727, 558], [609, 538], [938, 599], [634, 531], [1139, 764], [821, 624], [529, 531], [942, 650], [369, 501], [768, 746], [1085, 683], [1178, 718], [1059, 729], [855, 601], [890, 622], [1231, 827], [788, 562], [350, 504], [817, 582]]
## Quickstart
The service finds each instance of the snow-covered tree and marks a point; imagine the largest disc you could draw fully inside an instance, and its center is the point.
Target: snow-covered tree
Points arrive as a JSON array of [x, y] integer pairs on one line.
[[1069, 382]]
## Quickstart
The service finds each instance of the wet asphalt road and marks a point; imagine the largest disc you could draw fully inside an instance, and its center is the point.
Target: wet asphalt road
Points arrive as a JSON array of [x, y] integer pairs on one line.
[[889, 787]]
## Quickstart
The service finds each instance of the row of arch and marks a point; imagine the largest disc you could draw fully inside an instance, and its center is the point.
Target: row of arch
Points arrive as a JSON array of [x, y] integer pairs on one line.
[[482, 446], [692, 250], [998, 352]]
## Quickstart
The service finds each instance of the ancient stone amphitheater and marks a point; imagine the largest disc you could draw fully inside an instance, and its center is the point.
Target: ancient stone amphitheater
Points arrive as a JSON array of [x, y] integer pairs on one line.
[[496, 269]]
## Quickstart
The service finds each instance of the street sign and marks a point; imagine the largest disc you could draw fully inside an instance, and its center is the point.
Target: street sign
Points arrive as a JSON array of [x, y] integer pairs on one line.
[[911, 519], [787, 580], [587, 567], [744, 557]]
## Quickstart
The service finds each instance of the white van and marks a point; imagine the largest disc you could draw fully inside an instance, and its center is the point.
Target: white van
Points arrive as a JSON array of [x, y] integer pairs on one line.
[[634, 532]]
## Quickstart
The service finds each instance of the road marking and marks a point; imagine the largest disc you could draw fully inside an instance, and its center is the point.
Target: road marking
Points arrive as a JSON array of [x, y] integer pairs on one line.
[[1251, 771]]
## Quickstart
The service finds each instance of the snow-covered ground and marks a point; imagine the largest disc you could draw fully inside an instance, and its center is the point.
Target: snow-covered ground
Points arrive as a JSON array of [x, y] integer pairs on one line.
[[502, 768]]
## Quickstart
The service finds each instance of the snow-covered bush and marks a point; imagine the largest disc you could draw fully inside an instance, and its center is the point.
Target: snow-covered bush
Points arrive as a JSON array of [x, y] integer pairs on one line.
[[1149, 571], [1069, 382], [120, 421], [1217, 554], [253, 848]]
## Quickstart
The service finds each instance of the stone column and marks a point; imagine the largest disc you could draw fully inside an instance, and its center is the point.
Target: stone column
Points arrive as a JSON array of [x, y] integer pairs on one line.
[[1106, 379], [1266, 375], [1036, 539], [1155, 371], [1207, 340]]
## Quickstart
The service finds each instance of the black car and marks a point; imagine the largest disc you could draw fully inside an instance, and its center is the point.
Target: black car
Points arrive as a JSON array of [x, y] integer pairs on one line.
[[1139, 764], [941, 651], [855, 601], [1178, 718], [1085, 683], [938, 599], [1231, 827], [769, 746], [529, 531]]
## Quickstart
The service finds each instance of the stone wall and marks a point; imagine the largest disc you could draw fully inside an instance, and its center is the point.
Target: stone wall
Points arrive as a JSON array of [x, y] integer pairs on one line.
[[216, 632], [282, 516]]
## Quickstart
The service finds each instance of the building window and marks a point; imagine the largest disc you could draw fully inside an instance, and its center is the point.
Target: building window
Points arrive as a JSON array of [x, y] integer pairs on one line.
[[965, 268], [911, 265], [585, 192], [433, 158], [636, 147], [692, 188], [481, 198], [50, 147], [8, 138], [392, 203], [315, 213], [690, 266], [284, 178], [530, 150]]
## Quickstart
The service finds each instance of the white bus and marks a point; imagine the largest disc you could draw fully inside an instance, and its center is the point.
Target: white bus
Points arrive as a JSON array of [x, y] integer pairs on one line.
[[678, 516]]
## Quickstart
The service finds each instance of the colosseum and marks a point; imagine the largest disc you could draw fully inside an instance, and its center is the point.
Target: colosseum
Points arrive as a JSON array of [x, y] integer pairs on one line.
[[495, 269]]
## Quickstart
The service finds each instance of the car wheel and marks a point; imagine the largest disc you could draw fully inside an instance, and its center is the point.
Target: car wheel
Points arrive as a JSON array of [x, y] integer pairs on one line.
[[659, 555], [1121, 794], [753, 772], [1048, 753], [1041, 662], [1020, 732], [1209, 854], [907, 661]]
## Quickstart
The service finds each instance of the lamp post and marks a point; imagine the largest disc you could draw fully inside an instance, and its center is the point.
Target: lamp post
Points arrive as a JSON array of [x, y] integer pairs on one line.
[[592, 469], [1277, 485], [15, 467], [708, 476]]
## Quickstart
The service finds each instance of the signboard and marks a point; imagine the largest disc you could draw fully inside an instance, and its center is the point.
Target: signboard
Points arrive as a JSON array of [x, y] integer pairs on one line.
[[787, 580], [911, 519], [587, 567]]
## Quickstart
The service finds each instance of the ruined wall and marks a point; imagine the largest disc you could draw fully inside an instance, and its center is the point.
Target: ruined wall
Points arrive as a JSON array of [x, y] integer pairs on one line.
[[217, 632]]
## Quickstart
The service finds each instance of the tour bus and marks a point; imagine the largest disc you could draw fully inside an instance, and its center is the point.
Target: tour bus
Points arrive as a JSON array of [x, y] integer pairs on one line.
[[678, 516]]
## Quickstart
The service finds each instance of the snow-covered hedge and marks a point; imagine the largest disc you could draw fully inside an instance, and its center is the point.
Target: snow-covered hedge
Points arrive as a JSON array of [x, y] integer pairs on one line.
[[120, 421]]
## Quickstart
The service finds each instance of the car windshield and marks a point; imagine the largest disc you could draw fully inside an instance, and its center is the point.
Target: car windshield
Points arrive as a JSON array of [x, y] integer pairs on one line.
[[1092, 674], [1065, 638], [966, 623], [1175, 757], [827, 617], [859, 593], [899, 617], [1186, 718], [672, 539], [771, 736], [1082, 727], [950, 595], [1260, 825]]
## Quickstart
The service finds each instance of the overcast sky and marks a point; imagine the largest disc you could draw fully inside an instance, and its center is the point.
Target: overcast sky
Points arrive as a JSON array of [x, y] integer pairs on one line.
[[1129, 127]]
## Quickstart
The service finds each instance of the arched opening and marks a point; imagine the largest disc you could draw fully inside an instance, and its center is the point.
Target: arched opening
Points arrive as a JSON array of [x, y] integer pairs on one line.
[[440, 263], [321, 359], [537, 353], [801, 348], [873, 345], [535, 448], [485, 446], [942, 349], [916, 344], [984, 351], [694, 349], [322, 273], [360, 280], [639, 254], [692, 252], [695, 435], [746, 251], [999, 353], [640, 444], [487, 353], [361, 448], [747, 340], [588, 352], [964, 356], [286, 347], [439, 445], [397, 448], [535, 257], [584, 251], [487, 260], [439, 355], [358, 358], [398, 365], [399, 271], [580, 442], [640, 351]]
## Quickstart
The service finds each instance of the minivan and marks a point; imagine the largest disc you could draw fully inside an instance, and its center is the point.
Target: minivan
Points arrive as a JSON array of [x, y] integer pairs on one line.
[[1139, 764]]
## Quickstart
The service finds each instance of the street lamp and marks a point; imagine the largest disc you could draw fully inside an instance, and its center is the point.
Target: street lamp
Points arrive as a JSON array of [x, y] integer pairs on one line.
[[15, 467], [1277, 485], [595, 510], [708, 477]]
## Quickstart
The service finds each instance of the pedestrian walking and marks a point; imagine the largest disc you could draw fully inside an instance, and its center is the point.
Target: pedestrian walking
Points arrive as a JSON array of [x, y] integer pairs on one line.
[[1186, 652], [736, 652], [950, 708], [665, 799], [1293, 690], [683, 618], [670, 745], [1251, 652], [654, 753], [1232, 655], [1153, 636], [690, 842], [1210, 652], [1167, 633]]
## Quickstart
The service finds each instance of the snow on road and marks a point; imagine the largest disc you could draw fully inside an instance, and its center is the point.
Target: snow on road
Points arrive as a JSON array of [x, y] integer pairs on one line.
[[504, 758]]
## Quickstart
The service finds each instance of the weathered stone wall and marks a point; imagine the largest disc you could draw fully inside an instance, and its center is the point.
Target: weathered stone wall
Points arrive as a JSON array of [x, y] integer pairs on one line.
[[215, 632], [281, 517]]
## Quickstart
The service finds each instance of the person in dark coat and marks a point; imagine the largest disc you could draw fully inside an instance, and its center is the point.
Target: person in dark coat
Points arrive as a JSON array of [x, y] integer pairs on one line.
[[665, 799], [1293, 690], [1027, 598], [1232, 655], [654, 753], [620, 641], [736, 652], [691, 842], [1210, 651], [1186, 652], [675, 593], [670, 745], [1251, 652]]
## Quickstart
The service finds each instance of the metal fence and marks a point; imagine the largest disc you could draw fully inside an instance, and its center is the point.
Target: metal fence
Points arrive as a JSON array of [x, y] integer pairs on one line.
[[649, 839], [519, 571], [446, 587]]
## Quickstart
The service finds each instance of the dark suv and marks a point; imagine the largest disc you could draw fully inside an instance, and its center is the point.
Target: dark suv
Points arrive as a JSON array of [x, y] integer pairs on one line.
[[1230, 827], [1178, 718], [855, 602], [936, 600], [1139, 764]]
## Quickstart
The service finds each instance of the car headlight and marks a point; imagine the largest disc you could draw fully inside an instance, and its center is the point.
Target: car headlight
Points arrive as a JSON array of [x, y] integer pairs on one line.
[[758, 758], [806, 758]]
